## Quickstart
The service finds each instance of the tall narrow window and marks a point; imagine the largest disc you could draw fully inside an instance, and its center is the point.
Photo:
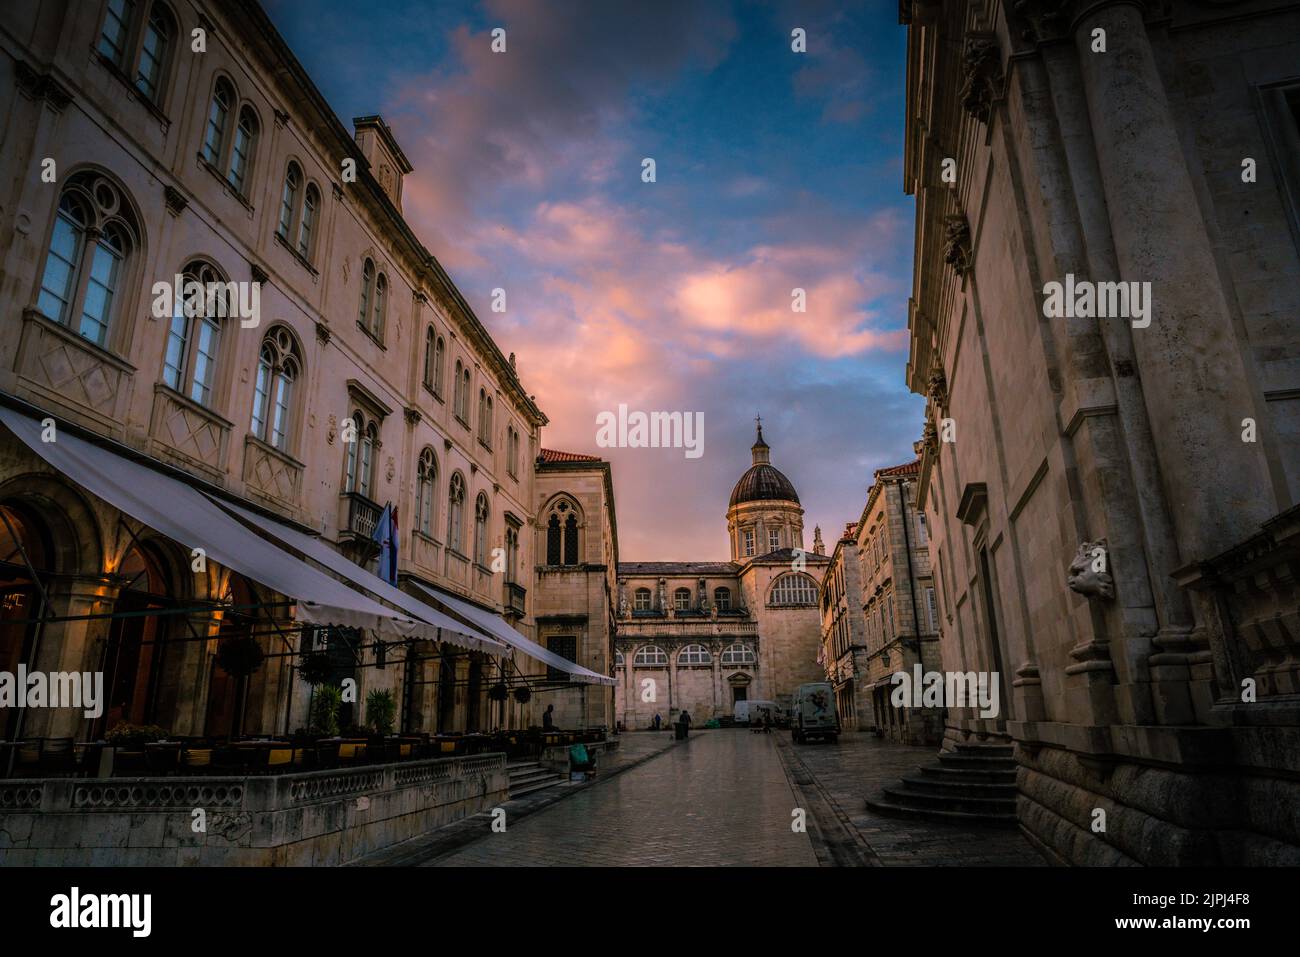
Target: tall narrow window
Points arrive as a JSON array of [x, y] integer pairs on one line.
[[456, 513], [773, 539], [63, 258], [922, 531], [459, 399], [117, 27], [512, 554], [366, 474], [307, 225], [278, 369], [153, 53], [554, 554], [571, 540], [193, 337], [682, 599], [722, 598], [241, 155], [480, 529], [350, 453], [426, 478], [214, 134], [428, 357], [105, 272], [381, 292], [439, 363], [749, 541], [289, 200], [367, 292], [641, 599]]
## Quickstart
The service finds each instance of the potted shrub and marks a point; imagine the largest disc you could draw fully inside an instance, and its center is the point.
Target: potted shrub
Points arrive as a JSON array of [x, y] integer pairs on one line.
[[325, 710], [381, 710], [240, 656], [126, 744]]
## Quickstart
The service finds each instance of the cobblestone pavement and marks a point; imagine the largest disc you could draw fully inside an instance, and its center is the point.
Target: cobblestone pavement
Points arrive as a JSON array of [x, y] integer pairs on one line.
[[844, 774], [719, 798]]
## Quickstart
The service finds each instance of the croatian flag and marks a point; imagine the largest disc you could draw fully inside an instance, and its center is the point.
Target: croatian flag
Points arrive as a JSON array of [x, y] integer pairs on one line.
[[386, 536]]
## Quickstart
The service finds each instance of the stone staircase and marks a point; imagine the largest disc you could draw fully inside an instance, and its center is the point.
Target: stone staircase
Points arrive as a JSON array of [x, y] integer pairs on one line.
[[971, 784], [529, 776]]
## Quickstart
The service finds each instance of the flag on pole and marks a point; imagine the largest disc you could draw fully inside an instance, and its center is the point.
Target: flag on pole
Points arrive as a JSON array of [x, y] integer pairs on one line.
[[386, 536]]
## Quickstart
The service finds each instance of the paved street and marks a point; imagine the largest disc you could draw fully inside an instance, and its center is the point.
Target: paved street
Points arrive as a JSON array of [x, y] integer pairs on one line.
[[719, 798]]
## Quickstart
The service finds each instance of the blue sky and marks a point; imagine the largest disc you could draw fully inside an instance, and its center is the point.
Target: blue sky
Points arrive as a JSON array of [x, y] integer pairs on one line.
[[775, 170]]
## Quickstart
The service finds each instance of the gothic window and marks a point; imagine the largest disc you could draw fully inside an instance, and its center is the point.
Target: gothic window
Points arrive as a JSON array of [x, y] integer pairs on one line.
[[89, 258], [562, 535], [367, 294], [360, 455], [553, 545], [682, 599], [460, 401], [722, 598], [429, 338], [694, 655], [456, 513], [289, 200], [279, 371], [480, 528], [381, 297], [619, 660], [641, 599], [793, 588], [566, 646], [738, 654], [512, 553], [426, 480], [512, 451], [199, 311], [307, 224], [485, 418], [571, 540], [650, 656]]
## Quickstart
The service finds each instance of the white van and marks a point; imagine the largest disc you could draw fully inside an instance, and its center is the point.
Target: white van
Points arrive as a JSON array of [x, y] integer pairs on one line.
[[813, 713], [751, 712]]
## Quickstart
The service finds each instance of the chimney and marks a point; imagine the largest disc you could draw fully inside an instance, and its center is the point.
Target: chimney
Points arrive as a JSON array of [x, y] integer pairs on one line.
[[388, 164]]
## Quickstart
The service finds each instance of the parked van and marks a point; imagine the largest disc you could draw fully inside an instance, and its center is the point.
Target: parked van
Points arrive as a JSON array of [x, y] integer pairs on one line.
[[751, 712], [813, 713]]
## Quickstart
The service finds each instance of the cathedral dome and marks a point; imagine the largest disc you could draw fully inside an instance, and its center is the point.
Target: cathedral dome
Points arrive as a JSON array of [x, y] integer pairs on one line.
[[763, 482]]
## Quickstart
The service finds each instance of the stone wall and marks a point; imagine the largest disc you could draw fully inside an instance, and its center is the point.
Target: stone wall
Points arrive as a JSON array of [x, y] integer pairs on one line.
[[320, 818]]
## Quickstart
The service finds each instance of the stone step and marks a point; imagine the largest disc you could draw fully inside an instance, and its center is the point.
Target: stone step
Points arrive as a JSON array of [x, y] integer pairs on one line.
[[966, 775], [953, 759], [522, 766], [532, 777], [962, 788], [905, 797], [989, 750], [881, 805], [538, 785]]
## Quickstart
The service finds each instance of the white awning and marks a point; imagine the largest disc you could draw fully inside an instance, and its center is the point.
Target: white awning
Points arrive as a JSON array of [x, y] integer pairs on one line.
[[499, 629], [453, 631], [186, 516]]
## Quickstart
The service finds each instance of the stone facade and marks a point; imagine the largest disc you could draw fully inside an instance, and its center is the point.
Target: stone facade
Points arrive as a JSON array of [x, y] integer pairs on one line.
[[700, 636], [1112, 499], [367, 378]]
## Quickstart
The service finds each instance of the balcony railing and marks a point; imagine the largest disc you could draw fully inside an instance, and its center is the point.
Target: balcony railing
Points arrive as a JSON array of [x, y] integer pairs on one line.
[[362, 515], [514, 599]]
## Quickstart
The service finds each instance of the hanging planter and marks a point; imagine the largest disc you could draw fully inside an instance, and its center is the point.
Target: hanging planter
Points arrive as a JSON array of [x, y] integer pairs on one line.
[[315, 668], [522, 695], [498, 692], [240, 656]]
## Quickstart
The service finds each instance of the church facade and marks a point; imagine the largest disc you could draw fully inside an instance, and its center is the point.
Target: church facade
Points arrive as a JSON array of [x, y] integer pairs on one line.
[[702, 636]]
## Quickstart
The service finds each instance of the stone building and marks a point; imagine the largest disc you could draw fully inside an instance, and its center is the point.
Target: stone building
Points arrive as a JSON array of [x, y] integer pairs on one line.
[[1112, 486], [133, 164], [879, 613], [701, 636]]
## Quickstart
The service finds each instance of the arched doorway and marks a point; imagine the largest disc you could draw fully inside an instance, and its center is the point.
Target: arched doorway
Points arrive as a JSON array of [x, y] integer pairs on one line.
[[23, 540], [137, 639]]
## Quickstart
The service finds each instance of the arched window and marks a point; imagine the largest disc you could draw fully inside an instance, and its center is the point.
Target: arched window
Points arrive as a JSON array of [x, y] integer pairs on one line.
[[289, 200], [426, 479], [641, 599], [485, 418], [214, 133], [512, 553], [241, 154], [650, 656], [360, 455], [307, 224], [464, 395], [456, 513], [793, 589], [116, 33], [279, 370], [512, 451], [439, 364], [458, 400], [201, 306], [619, 660], [694, 655], [91, 245], [367, 293], [722, 598], [369, 446], [381, 296], [738, 654], [429, 338], [480, 528], [562, 535], [155, 47], [682, 599]]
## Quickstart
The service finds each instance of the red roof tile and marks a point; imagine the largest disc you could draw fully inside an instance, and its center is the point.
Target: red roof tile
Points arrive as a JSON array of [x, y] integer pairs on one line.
[[552, 455]]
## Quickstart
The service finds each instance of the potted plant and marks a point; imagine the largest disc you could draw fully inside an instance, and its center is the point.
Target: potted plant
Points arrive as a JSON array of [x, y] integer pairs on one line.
[[240, 656], [381, 710], [522, 694], [325, 710], [315, 667], [498, 692], [126, 744]]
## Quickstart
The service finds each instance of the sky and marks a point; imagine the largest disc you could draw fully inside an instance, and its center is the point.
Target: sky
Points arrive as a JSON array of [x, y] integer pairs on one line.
[[774, 171]]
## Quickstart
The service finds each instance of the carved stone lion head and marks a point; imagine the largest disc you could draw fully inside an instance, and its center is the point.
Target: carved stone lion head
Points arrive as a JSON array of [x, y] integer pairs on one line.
[[1090, 571]]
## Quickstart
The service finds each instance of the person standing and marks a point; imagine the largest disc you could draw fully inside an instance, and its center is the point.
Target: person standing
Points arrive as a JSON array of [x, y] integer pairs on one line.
[[548, 718], [658, 720]]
